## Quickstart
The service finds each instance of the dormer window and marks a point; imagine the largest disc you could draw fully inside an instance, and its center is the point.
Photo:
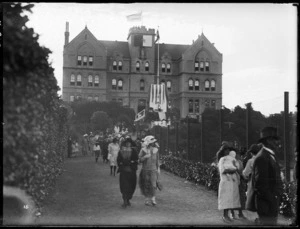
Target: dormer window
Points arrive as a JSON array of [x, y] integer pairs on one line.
[[207, 66], [120, 66], [168, 68], [90, 81], [191, 84], [197, 87], [213, 85], [201, 66], [163, 67], [147, 66], [91, 60], [137, 66], [196, 66], [206, 85], [115, 65], [78, 60], [85, 61]]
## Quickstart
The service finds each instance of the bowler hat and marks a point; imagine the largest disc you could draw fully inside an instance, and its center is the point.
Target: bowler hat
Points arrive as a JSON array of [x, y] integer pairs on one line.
[[268, 132]]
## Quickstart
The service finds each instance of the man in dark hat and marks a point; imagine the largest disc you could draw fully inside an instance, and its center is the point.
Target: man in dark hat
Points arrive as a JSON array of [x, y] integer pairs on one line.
[[266, 182]]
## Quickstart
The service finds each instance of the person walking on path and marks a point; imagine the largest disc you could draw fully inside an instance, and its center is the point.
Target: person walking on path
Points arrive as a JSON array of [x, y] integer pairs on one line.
[[228, 192], [267, 186], [97, 150], [149, 157], [127, 161], [105, 150], [113, 150], [85, 145], [69, 147]]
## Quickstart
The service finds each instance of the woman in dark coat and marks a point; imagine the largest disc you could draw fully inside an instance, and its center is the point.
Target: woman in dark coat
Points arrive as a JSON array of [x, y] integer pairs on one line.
[[127, 161]]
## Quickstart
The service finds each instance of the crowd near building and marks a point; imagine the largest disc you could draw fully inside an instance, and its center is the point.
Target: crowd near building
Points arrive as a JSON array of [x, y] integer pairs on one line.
[[123, 71]]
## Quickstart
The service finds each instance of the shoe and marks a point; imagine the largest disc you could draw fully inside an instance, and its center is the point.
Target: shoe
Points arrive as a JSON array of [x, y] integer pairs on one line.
[[227, 219], [153, 202]]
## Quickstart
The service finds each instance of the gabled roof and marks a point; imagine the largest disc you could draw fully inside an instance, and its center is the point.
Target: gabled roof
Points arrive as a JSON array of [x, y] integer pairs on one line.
[[174, 50], [116, 46]]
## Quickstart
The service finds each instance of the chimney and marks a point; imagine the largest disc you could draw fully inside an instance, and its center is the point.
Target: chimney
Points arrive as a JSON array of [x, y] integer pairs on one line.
[[67, 34]]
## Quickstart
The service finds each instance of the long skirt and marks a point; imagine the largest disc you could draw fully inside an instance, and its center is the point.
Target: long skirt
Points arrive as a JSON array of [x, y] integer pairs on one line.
[[127, 184], [147, 182]]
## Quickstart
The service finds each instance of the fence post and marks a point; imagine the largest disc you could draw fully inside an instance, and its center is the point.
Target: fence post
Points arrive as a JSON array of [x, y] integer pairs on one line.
[[286, 136]]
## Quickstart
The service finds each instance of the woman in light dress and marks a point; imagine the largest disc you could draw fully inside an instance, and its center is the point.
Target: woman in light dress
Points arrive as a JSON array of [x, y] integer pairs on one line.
[[113, 150]]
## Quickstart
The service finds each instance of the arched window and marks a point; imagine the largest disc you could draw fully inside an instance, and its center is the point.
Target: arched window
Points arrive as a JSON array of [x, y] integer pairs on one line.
[[147, 66], [115, 65], [163, 67], [72, 82], [201, 66], [142, 85], [169, 85], [78, 60], [84, 60], [120, 65], [91, 60], [120, 84], [191, 110], [191, 84], [78, 83], [197, 87], [72, 98], [196, 66], [168, 68], [137, 66], [90, 81], [213, 85], [96, 83], [114, 84], [197, 106], [207, 66], [206, 85]]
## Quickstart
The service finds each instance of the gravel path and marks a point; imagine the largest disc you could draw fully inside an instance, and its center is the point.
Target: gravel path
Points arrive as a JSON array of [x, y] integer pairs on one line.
[[86, 194]]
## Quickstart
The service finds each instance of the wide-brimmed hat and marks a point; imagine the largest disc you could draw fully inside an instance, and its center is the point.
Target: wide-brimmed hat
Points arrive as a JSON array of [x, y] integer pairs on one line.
[[254, 148], [128, 139], [149, 139], [232, 153], [268, 132]]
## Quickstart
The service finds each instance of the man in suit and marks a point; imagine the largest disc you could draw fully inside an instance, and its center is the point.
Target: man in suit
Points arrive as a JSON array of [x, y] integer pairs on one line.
[[266, 181]]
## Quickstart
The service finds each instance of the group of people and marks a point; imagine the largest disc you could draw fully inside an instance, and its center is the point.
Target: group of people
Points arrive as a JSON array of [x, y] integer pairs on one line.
[[260, 172]]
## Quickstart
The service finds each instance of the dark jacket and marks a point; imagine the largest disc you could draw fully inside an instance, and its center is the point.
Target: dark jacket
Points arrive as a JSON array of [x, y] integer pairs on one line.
[[266, 184], [125, 163]]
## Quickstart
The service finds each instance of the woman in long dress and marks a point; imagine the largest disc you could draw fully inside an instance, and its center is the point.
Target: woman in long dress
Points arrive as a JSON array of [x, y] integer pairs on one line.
[[113, 150], [150, 170], [228, 193], [127, 162]]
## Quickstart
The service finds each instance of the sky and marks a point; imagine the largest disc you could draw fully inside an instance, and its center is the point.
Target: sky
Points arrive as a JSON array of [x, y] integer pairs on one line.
[[258, 41]]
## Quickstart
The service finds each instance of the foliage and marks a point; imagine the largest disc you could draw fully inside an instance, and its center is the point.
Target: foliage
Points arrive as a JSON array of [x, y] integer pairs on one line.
[[208, 176], [34, 129], [100, 121]]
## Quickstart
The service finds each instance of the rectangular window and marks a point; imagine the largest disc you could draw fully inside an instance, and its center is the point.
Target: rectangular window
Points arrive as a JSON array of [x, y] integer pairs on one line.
[[96, 84], [91, 60], [120, 65], [90, 83], [72, 98], [213, 103], [191, 110], [78, 60], [196, 66], [114, 84], [168, 68], [201, 66], [85, 61]]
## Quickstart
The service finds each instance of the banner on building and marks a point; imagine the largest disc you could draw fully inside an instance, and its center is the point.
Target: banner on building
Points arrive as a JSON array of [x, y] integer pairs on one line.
[[158, 99], [140, 115], [162, 123]]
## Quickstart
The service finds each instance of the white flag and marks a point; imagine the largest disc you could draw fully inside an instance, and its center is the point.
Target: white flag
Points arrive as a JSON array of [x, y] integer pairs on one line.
[[140, 115], [134, 17]]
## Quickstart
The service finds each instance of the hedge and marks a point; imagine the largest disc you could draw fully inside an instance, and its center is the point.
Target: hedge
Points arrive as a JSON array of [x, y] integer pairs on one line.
[[208, 176]]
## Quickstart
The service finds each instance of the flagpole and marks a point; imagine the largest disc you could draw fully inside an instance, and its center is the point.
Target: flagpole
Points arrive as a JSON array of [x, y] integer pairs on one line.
[[158, 60]]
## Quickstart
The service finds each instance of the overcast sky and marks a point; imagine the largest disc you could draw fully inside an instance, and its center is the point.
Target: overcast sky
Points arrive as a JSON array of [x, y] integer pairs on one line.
[[258, 41]]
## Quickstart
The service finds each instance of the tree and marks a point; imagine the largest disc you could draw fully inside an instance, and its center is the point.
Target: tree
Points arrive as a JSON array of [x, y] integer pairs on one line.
[[100, 121]]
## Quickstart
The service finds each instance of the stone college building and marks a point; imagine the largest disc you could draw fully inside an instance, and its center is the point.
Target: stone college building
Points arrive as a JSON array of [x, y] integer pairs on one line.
[[123, 71]]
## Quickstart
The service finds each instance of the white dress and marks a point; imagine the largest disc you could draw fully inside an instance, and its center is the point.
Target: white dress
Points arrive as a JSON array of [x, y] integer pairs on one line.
[[228, 193], [113, 150]]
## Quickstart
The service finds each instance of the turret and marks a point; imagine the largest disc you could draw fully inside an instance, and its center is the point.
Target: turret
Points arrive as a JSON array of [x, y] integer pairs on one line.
[[67, 34]]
